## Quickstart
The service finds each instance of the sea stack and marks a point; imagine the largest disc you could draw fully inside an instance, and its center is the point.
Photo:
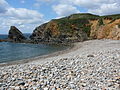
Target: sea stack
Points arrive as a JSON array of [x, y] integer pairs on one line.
[[15, 35]]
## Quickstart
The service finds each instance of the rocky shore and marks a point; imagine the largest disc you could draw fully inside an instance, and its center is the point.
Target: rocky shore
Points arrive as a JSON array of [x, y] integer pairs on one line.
[[90, 65]]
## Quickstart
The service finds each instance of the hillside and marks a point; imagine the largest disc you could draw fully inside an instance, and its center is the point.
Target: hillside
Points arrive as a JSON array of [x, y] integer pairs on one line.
[[78, 27]]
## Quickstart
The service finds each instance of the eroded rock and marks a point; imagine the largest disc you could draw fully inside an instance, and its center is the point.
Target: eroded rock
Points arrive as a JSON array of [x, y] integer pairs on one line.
[[15, 35]]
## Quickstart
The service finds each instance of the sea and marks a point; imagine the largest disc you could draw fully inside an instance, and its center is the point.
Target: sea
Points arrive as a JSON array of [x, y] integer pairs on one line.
[[18, 51]]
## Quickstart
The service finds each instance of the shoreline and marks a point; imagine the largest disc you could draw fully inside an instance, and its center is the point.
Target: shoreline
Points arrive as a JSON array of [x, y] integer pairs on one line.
[[28, 60], [73, 47]]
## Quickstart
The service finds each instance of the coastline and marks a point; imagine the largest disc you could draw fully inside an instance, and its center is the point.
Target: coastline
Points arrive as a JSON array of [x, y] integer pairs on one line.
[[28, 60], [92, 64], [42, 59]]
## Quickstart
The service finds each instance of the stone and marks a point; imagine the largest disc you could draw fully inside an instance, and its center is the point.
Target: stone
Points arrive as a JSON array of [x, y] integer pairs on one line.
[[21, 83], [15, 35], [2, 84], [13, 79], [53, 88], [34, 87], [90, 55], [17, 88], [46, 88], [26, 85]]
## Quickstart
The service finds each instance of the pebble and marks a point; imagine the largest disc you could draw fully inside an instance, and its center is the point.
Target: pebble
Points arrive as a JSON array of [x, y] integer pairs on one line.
[[21, 83], [17, 88], [90, 56]]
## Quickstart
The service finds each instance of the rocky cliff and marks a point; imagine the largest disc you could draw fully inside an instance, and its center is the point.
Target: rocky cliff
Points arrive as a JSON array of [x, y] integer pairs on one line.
[[78, 27], [68, 29], [109, 29], [15, 35]]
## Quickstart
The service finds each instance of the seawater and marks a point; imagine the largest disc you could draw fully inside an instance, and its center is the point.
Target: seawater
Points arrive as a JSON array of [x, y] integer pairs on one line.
[[17, 51]]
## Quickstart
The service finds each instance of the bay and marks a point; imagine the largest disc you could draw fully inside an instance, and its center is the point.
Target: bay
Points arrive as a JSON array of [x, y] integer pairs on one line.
[[17, 51]]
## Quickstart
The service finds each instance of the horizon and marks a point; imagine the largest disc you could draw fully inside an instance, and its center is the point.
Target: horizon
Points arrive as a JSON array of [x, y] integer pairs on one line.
[[7, 33], [26, 15]]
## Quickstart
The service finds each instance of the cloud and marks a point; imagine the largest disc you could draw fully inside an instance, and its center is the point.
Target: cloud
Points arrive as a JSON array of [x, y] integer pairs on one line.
[[106, 9], [3, 6], [101, 7], [20, 17], [91, 3], [64, 9], [22, 13]]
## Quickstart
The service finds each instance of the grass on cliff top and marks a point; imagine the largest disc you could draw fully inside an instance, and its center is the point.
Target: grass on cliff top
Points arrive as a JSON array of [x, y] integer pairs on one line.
[[115, 16], [92, 16], [83, 15], [88, 16], [79, 16], [82, 18]]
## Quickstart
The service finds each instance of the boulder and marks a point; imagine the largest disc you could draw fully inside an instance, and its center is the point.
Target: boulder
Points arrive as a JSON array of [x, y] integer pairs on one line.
[[15, 35], [3, 40]]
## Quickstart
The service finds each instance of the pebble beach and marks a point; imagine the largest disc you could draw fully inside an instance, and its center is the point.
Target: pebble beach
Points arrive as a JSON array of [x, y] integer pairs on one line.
[[89, 65]]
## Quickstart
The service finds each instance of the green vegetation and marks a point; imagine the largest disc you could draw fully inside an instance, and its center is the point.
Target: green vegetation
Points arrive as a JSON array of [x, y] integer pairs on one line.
[[119, 26], [113, 17], [84, 15], [87, 30], [101, 22]]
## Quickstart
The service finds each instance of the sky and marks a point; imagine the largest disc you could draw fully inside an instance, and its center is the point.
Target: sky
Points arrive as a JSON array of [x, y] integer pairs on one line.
[[28, 14]]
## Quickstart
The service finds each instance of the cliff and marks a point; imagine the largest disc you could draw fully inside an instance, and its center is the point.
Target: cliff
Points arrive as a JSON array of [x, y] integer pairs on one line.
[[108, 29], [78, 27]]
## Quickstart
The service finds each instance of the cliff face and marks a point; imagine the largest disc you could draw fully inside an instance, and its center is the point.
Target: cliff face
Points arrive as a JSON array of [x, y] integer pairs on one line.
[[78, 27], [55, 31], [15, 35], [109, 30]]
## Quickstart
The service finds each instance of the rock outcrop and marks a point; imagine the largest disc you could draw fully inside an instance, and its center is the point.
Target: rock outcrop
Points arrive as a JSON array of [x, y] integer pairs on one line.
[[51, 32], [15, 35], [78, 27], [64, 30], [110, 30], [2, 40]]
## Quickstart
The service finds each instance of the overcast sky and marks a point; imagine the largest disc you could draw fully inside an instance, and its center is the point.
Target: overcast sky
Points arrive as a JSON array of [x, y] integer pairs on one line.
[[28, 14]]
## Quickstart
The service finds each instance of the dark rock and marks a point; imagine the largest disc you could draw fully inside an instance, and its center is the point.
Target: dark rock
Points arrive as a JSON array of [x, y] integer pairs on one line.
[[21, 83], [64, 69], [90, 56], [2, 84], [35, 80], [15, 35], [54, 32], [1, 40]]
